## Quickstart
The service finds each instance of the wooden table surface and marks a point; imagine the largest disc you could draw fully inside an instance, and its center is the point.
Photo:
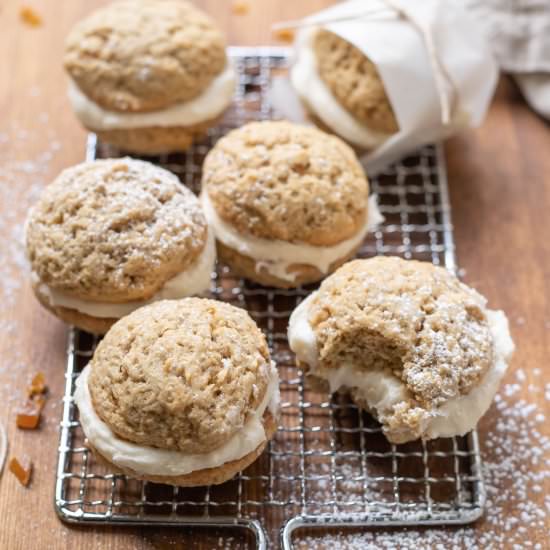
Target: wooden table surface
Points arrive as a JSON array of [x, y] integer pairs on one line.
[[499, 179]]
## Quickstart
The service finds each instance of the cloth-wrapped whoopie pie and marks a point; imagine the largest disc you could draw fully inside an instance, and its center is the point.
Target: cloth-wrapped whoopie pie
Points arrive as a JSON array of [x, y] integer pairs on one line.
[[392, 75]]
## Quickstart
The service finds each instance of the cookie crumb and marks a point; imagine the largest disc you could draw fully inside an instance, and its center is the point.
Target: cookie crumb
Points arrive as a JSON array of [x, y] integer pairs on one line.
[[284, 35], [240, 7], [30, 17]]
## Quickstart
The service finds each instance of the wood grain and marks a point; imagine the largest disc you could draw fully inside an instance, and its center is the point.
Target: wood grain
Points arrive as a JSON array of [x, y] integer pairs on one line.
[[499, 178]]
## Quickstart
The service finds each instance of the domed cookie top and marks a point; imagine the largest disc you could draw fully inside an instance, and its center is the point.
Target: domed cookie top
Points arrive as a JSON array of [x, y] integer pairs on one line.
[[278, 180], [180, 375], [114, 230], [412, 317], [354, 80], [143, 55]]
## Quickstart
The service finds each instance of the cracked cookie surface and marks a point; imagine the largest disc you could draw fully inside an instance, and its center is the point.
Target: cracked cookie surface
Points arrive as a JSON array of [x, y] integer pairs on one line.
[[114, 230], [180, 375], [279, 180]]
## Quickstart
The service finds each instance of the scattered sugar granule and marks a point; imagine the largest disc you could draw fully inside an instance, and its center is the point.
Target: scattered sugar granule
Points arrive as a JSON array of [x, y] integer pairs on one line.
[[515, 471], [520, 375], [22, 178], [511, 389]]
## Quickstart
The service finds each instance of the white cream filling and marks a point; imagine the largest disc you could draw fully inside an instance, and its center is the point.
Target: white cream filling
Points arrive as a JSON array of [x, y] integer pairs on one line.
[[193, 281], [162, 462], [276, 256], [382, 390], [315, 93], [208, 105], [461, 414]]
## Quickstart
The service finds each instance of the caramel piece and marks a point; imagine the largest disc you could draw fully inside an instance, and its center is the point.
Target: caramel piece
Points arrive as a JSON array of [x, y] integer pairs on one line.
[[38, 385], [240, 7], [21, 471], [284, 35], [30, 17], [28, 417]]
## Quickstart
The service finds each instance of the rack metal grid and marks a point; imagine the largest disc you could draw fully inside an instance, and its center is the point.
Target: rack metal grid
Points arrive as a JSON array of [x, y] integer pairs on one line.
[[329, 464]]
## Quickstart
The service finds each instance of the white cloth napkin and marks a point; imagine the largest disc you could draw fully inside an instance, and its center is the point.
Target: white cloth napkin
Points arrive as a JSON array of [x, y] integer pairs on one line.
[[519, 34]]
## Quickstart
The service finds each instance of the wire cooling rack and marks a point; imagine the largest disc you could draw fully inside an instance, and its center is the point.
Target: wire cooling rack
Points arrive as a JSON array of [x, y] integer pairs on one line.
[[329, 464]]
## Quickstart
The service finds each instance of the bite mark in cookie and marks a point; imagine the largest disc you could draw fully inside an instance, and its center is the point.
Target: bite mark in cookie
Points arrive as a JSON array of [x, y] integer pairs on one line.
[[414, 345]]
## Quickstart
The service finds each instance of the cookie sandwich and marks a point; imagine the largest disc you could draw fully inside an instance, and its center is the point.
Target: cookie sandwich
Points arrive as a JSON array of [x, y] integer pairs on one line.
[[109, 236], [411, 344], [148, 76], [180, 392], [288, 203], [342, 89]]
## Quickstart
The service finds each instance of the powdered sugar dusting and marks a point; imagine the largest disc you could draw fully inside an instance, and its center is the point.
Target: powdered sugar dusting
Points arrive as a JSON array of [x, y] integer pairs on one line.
[[516, 453], [114, 228], [23, 175]]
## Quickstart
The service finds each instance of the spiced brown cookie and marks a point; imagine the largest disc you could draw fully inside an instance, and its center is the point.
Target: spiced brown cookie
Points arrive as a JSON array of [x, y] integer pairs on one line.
[[342, 89], [180, 391], [412, 344], [354, 81], [148, 76], [108, 236], [287, 203]]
